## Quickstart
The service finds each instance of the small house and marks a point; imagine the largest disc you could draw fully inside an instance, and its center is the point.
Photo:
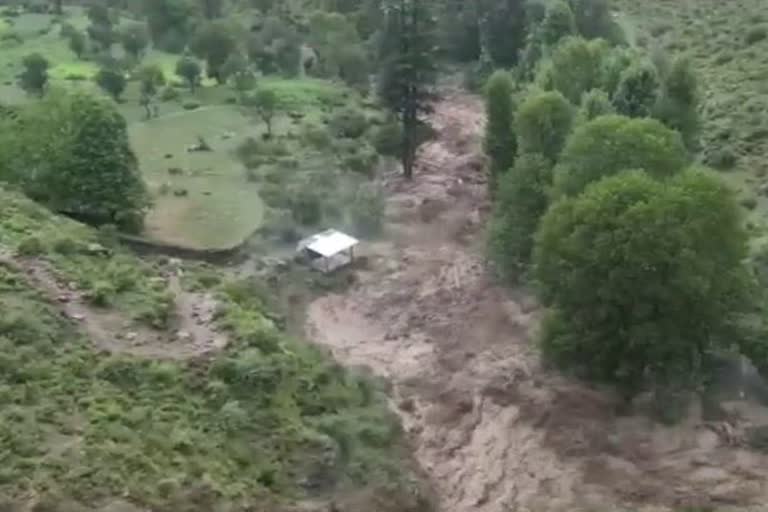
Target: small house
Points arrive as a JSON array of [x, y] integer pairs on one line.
[[328, 250]]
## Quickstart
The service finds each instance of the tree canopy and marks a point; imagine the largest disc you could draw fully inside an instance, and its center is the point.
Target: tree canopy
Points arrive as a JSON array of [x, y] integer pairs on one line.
[[543, 123], [642, 277], [500, 143], [610, 144]]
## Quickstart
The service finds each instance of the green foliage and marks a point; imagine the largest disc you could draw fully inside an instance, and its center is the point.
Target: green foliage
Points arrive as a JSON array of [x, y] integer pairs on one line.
[[678, 106], [505, 29], [576, 67], [77, 42], [112, 81], [34, 78], [756, 34], [78, 144], [276, 48], [388, 139], [500, 143], [264, 103], [642, 277], [594, 103], [349, 123], [408, 71], [135, 39], [543, 122], [594, 19], [610, 144], [169, 22], [367, 210], [558, 23], [214, 42], [638, 90], [189, 69], [521, 201]]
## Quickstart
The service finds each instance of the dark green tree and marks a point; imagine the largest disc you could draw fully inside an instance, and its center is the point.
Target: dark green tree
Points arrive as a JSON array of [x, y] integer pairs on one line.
[[594, 103], [638, 90], [214, 42], [58, 6], [170, 23], [543, 122], [34, 78], [575, 67], [408, 71], [642, 277], [135, 39], [265, 104], [520, 203], [558, 23], [151, 78], [77, 43], [354, 67], [678, 106], [610, 144], [212, 8], [189, 69], [594, 19], [83, 160], [503, 29], [458, 29], [112, 81], [500, 143]]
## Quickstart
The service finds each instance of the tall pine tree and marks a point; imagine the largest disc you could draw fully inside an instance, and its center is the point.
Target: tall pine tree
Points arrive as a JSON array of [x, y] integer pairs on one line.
[[408, 70]]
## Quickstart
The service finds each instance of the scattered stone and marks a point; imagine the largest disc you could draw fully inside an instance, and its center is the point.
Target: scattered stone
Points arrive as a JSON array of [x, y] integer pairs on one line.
[[96, 249], [131, 336], [72, 285], [77, 316], [227, 135], [181, 192], [184, 336], [407, 405], [63, 298]]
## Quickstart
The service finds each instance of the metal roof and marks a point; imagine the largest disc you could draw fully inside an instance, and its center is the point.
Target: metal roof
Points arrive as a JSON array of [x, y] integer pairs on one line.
[[330, 242]]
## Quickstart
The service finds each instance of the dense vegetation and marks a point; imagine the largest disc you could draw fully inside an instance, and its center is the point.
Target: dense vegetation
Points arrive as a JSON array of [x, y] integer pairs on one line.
[[640, 258]]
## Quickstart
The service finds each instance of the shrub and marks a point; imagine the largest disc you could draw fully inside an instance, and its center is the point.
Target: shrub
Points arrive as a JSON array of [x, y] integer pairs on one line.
[[723, 159], [191, 105], [756, 34], [64, 244], [75, 77], [349, 123], [31, 246], [367, 210], [315, 136], [169, 94], [362, 161], [101, 293], [750, 203]]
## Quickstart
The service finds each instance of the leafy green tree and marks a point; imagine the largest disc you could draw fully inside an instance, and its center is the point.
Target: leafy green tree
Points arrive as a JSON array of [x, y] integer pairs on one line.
[[58, 6], [77, 43], [558, 23], [638, 90], [265, 105], [458, 29], [678, 106], [275, 48], [388, 139], [170, 23], [135, 39], [354, 67], [594, 103], [189, 69], [642, 277], [83, 160], [408, 71], [151, 78], [543, 122], [594, 19], [503, 29], [610, 144], [500, 143], [98, 14], [34, 78], [521, 201], [212, 8], [102, 35], [112, 81], [214, 42], [575, 67], [329, 34]]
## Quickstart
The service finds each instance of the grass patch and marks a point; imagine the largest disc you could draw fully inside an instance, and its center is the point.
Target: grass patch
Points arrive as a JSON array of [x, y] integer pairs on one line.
[[269, 417]]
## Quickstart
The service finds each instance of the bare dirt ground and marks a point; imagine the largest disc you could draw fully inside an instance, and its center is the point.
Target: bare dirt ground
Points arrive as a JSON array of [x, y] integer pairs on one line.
[[495, 431], [191, 333]]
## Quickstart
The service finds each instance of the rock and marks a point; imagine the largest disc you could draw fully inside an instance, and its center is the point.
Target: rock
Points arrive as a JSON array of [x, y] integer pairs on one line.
[[96, 249], [77, 316], [63, 298], [407, 405], [184, 336], [72, 285], [131, 336]]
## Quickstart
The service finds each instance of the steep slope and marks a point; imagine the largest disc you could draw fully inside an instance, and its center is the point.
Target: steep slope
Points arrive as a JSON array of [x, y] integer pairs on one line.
[[102, 398]]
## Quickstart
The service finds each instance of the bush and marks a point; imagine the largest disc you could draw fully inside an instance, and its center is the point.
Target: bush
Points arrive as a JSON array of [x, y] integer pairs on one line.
[[756, 34], [64, 244], [169, 94], [362, 161], [315, 136], [101, 293], [191, 105], [75, 77], [367, 210], [31, 246], [349, 123], [722, 159], [750, 203]]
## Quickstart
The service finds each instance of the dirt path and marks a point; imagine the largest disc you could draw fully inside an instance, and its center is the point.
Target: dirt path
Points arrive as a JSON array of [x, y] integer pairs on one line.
[[494, 430], [192, 332]]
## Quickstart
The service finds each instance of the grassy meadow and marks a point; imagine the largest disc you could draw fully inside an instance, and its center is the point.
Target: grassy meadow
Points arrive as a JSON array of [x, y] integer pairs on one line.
[[205, 199], [728, 43]]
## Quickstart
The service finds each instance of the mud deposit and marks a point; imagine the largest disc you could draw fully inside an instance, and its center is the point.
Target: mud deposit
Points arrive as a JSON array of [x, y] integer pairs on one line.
[[495, 431]]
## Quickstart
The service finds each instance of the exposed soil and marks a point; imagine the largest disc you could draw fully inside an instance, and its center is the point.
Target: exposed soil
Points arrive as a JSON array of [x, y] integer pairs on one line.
[[191, 333], [492, 428]]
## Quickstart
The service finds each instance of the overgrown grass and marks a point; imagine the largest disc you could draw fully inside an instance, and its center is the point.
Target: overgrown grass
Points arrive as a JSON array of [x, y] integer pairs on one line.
[[726, 42], [269, 417]]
